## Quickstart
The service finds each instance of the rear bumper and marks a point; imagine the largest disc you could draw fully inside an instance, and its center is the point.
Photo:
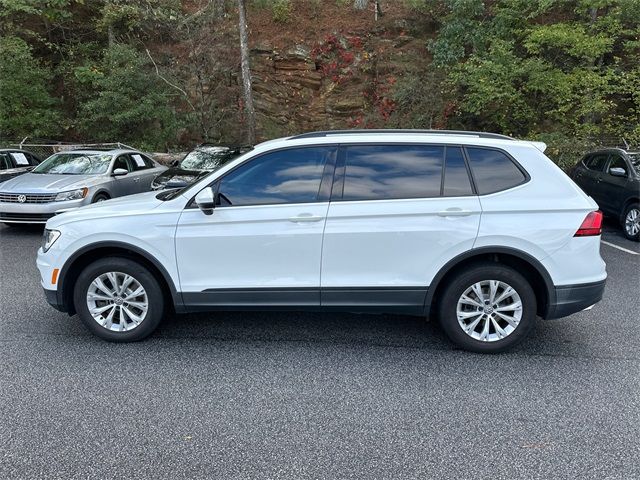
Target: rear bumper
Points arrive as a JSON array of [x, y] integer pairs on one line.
[[575, 298]]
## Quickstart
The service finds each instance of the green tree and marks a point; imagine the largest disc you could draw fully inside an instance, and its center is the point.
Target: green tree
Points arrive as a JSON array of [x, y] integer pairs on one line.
[[552, 68], [139, 18], [26, 106], [125, 101]]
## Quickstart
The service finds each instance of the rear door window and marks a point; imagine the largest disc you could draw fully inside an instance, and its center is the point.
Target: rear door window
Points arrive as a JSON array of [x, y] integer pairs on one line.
[[384, 172], [493, 171], [5, 162], [148, 162], [20, 159], [138, 162]]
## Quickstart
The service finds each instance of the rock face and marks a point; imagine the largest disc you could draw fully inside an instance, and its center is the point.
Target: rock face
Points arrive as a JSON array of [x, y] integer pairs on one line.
[[324, 87], [290, 92]]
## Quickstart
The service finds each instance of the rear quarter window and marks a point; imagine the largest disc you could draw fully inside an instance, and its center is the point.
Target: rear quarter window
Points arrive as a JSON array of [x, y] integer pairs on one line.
[[493, 170]]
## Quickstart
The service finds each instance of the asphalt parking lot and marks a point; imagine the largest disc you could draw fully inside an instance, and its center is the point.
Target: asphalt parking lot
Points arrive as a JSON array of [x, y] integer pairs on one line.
[[289, 395]]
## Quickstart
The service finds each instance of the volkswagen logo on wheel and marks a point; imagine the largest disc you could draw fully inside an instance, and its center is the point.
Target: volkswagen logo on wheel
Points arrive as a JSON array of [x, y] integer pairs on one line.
[[22, 198]]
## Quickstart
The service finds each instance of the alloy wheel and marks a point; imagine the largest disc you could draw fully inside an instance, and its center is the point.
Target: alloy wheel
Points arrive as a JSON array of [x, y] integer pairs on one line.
[[489, 310], [117, 301], [632, 222]]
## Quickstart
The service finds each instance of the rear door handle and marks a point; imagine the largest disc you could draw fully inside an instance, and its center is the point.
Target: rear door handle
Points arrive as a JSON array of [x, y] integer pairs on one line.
[[454, 212], [305, 217]]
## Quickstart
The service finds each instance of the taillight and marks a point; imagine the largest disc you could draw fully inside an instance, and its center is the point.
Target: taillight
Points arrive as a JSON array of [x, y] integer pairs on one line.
[[592, 225]]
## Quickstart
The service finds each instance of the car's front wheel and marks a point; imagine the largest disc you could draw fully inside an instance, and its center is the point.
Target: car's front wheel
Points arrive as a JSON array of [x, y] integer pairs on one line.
[[101, 197], [487, 308], [631, 222], [119, 299]]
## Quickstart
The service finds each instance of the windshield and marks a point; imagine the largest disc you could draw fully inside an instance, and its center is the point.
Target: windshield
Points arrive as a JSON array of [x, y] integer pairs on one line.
[[75, 164], [635, 161], [207, 158], [230, 155]]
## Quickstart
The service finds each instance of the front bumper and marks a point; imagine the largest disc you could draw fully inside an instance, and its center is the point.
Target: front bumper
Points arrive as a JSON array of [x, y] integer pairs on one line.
[[54, 301], [575, 298], [54, 297], [36, 212]]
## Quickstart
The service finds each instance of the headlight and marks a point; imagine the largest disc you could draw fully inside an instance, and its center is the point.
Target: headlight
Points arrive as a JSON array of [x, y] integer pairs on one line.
[[72, 194], [49, 238]]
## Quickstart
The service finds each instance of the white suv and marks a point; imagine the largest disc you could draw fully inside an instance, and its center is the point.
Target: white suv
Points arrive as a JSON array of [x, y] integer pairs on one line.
[[482, 231]]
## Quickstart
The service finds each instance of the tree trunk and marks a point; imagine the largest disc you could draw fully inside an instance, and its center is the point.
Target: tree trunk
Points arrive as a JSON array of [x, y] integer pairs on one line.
[[111, 36], [249, 111]]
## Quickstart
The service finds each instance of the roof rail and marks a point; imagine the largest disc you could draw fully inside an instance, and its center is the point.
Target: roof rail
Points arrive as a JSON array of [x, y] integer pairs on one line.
[[328, 133]]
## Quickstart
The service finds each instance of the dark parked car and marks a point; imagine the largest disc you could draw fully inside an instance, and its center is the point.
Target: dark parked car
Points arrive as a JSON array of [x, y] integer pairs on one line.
[[612, 177], [16, 162], [197, 163]]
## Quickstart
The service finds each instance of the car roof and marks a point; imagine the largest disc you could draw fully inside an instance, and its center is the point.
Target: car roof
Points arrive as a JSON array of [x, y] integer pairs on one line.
[[400, 136], [613, 149], [93, 151]]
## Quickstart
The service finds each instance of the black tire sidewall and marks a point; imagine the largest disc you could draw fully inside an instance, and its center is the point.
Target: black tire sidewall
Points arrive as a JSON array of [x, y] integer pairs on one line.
[[463, 280], [99, 196], [624, 219], [141, 274]]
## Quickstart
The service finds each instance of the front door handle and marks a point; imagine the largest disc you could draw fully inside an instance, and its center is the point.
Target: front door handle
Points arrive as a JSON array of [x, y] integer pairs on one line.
[[136, 179], [305, 217], [454, 212]]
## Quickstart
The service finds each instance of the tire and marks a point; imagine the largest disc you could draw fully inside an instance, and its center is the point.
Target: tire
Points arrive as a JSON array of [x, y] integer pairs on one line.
[[631, 222], [112, 326], [100, 197], [484, 274]]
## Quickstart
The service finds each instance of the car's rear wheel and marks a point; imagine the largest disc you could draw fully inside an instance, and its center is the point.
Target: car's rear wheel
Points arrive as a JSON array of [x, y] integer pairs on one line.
[[487, 308], [119, 299], [631, 222]]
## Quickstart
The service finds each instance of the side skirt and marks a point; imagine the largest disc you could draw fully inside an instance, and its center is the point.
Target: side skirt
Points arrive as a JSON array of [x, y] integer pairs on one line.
[[405, 300]]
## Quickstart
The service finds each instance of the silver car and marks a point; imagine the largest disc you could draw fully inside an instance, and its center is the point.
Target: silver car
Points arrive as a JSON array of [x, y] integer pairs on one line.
[[72, 179]]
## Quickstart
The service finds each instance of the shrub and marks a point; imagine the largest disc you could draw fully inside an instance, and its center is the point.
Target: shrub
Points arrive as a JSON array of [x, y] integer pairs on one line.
[[281, 10]]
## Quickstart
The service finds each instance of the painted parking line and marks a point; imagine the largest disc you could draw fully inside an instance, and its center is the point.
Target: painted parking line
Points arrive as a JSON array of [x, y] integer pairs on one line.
[[620, 248]]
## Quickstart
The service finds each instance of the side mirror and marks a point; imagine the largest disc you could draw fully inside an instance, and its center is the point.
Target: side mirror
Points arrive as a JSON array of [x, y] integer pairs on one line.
[[175, 163], [618, 172], [119, 172], [206, 200]]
